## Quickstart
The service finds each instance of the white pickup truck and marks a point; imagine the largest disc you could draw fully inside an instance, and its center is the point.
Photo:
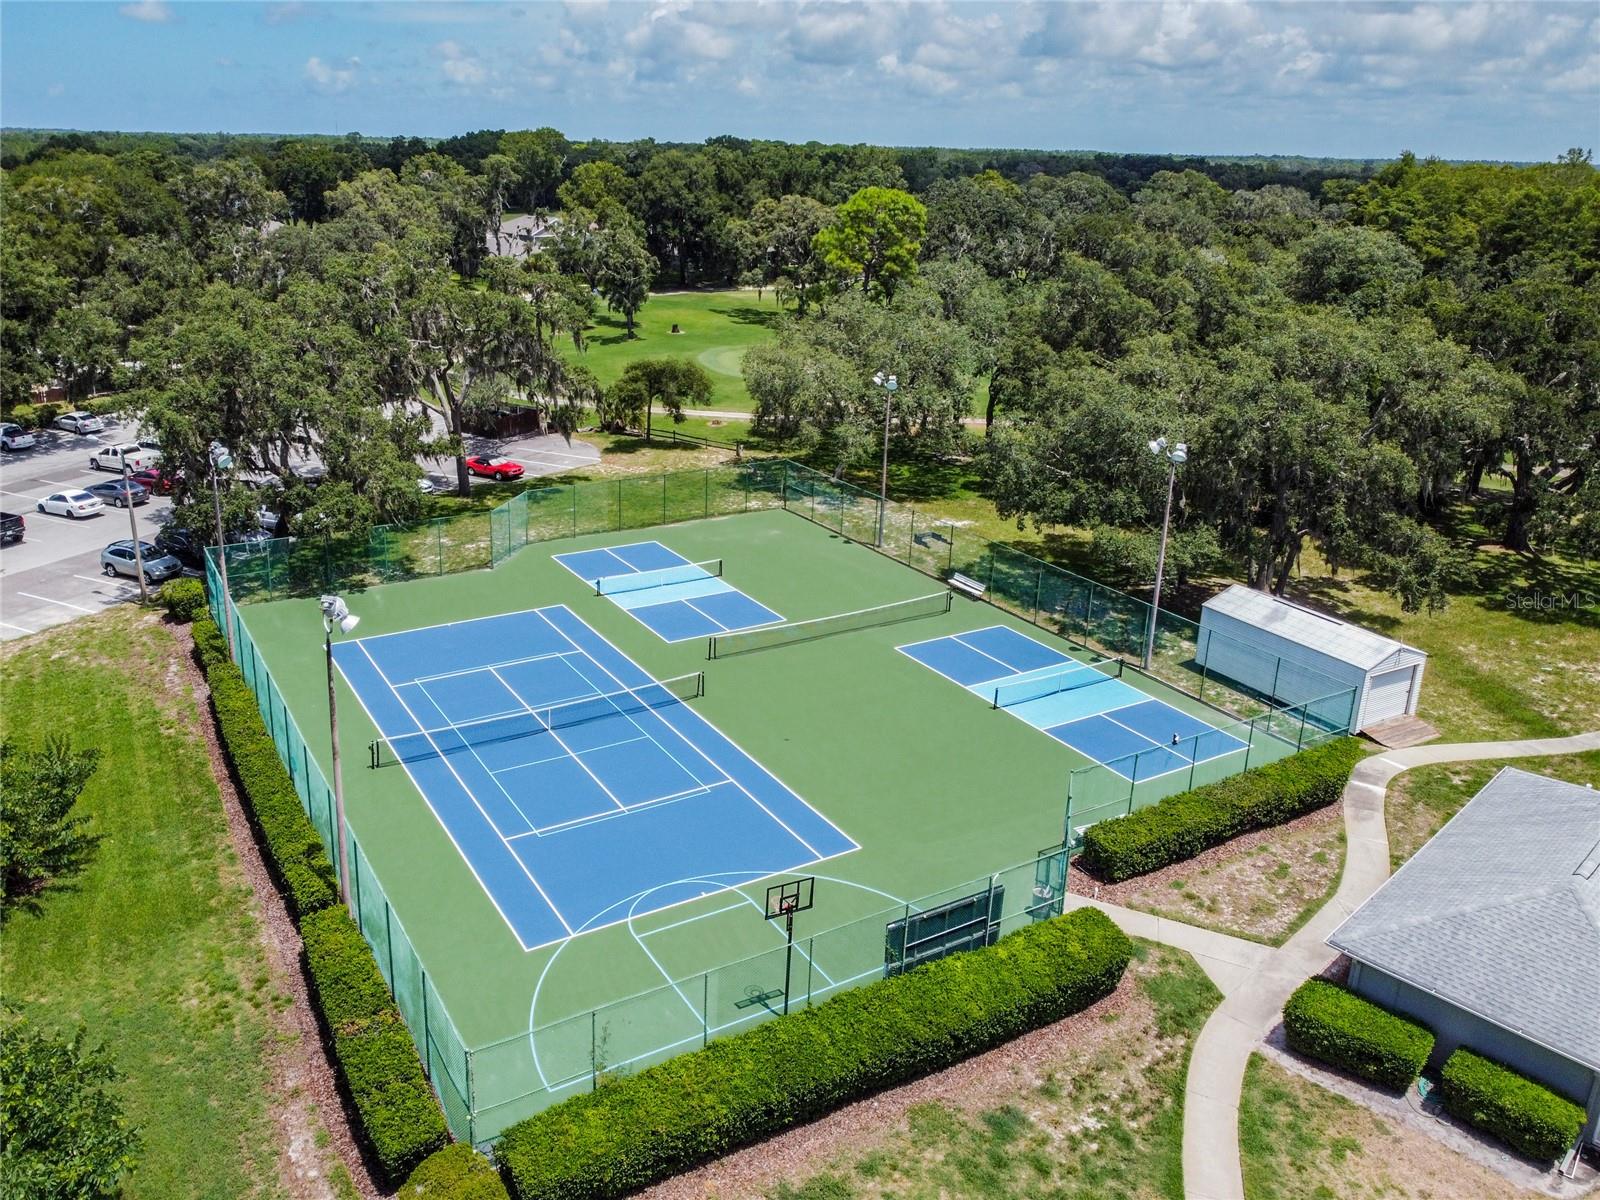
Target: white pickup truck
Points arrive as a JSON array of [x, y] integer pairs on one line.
[[130, 454]]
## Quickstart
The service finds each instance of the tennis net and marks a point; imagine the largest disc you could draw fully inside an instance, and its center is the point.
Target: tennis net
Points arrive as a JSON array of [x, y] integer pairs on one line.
[[720, 645], [1097, 670], [636, 581], [470, 736]]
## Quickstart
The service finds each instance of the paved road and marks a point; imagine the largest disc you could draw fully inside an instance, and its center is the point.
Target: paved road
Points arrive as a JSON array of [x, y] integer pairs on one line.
[[53, 574]]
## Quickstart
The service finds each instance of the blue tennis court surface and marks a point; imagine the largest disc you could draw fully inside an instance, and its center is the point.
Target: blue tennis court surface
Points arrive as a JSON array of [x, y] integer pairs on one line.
[[676, 600], [1084, 707], [579, 790]]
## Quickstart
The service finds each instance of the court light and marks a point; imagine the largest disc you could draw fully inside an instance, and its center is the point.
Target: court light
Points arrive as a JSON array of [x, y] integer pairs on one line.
[[336, 612], [221, 460]]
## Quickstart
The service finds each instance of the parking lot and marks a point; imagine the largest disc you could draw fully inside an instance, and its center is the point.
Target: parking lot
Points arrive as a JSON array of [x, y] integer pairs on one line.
[[53, 574]]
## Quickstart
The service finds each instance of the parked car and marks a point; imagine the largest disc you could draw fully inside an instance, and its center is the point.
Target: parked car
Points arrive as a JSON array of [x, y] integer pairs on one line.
[[129, 454], [158, 481], [15, 437], [80, 422], [119, 494], [70, 504], [12, 527], [118, 559], [494, 467], [189, 547]]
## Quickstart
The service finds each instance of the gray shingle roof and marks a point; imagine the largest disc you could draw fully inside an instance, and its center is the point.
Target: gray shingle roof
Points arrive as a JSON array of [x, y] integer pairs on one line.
[[1500, 913], [1307, 627]]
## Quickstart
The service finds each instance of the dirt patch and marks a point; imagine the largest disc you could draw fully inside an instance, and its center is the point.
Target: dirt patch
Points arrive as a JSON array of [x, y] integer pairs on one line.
[[1308, 1131], [318, 1156], [1098, 1069], [1258, 886]]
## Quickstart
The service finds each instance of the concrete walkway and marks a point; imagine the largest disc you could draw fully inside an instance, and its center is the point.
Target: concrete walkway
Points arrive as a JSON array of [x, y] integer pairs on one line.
[[1255, 995]]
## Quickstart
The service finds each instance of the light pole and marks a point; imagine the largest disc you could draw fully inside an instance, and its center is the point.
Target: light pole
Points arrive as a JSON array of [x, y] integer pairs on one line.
[[133, 531], [1176, 456], [221, 460], [336, 612], [890, 385]]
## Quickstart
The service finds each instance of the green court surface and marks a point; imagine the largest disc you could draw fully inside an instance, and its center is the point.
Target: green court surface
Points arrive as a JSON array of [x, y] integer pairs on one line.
[[939, 790]]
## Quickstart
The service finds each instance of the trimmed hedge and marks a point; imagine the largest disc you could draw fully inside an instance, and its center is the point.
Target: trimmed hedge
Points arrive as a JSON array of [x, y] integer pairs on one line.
[[293, 846], [455, 1173], [184, 599], [1525, 1115], [400, 1118], [1182, 826], [210, 643], [641, 1128], [1336, 1026], [375, 1055]]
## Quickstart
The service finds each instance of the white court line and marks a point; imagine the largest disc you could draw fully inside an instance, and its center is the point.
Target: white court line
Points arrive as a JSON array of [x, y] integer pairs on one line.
[[63, 603], [740, 903], [510, 662], [474, 751], [818, 857], [535, 762], [686, 794], [475, 804], [550, 729]]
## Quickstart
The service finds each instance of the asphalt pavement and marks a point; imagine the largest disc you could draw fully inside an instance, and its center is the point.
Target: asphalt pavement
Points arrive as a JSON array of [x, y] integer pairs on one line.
[[53, 574]]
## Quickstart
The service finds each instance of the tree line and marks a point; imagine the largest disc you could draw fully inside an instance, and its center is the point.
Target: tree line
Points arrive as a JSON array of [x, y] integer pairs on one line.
[[1345, 351]]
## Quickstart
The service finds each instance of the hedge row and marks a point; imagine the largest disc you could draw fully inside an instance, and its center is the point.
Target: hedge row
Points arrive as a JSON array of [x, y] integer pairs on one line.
[[455, 1173], [374, 1051], [641, 1128], [399, 1116], [1182, 826], [1526, 1116], [1335, 1026], [293, 846], [184, 599]]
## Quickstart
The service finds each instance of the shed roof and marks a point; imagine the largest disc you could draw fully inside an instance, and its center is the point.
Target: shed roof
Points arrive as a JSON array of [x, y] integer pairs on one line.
[[1307, 627], [1499, 914]]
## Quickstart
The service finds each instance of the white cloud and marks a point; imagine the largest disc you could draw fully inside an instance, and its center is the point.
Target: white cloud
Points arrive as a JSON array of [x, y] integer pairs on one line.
[[283, 13], [458, 66], [155, 12], [329, 78]]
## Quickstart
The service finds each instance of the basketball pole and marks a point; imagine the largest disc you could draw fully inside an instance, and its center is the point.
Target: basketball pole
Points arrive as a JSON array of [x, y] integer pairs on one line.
[[788, 955]]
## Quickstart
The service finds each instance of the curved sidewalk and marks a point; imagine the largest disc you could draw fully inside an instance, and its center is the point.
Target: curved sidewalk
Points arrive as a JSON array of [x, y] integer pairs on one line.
[[1251, 1007]]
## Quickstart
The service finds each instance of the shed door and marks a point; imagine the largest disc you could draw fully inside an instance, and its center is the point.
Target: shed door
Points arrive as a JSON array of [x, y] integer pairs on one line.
[[1387, 694]]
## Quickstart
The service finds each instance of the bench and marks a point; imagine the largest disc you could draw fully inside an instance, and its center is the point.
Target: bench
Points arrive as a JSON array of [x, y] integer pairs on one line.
[[971, 587]]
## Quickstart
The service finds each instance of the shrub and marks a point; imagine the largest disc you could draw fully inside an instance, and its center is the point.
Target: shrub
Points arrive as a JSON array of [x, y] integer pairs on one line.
[[455, 1173], [294, 849], [1189, 823], [184, 599], [1335, 1026], [371, 1047], [1525, 1115], [210, 643], [638, 1129]]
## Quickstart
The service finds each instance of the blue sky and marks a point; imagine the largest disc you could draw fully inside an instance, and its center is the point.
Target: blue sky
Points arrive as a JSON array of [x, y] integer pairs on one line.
[[1516, 80]]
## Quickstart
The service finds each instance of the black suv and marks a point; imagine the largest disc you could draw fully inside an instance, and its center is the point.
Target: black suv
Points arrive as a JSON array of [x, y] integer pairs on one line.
[[190, 548], [12, 527]]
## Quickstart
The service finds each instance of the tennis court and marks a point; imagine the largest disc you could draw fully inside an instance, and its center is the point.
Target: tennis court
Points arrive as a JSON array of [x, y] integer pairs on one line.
[[580, 790], [666, 593], [1084, 705], [564, 816]]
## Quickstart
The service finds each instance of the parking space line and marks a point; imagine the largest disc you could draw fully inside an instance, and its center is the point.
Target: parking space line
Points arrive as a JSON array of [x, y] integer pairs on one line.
[[63, 603], [18, 628], [117, 579]]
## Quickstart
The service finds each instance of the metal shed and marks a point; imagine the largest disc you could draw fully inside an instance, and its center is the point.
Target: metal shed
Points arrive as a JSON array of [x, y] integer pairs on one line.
[[1293, 653]]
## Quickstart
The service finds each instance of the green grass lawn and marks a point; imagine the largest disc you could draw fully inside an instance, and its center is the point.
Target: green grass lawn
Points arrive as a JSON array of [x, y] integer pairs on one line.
[[1422, 800], [155, 950], [1104, 1120], [716, 328]]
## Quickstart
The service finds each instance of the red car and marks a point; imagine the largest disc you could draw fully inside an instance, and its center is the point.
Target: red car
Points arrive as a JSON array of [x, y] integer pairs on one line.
[[492, 467], [159, 481]]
